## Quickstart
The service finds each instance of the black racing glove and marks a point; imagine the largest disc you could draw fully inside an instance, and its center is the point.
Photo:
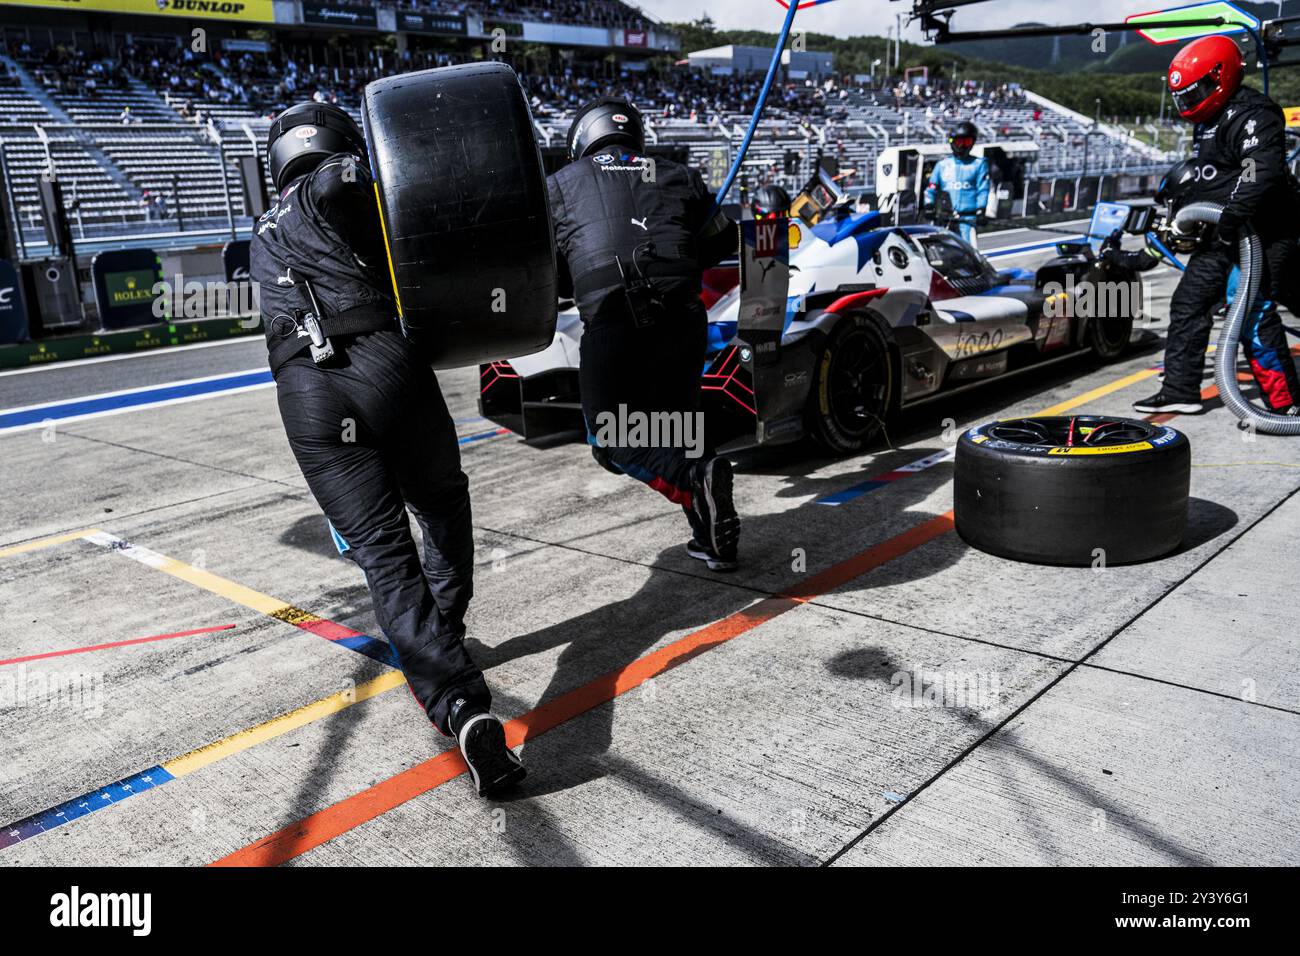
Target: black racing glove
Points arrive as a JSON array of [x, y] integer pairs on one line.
[[1110, 249], [1226, 236], [981, 219]]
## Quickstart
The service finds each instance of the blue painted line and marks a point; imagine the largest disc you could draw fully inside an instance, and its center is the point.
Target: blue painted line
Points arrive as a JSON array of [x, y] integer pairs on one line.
[[371, 647], [47, 820], [479, 436], [144, 396], [1016, 250], [848, 494]]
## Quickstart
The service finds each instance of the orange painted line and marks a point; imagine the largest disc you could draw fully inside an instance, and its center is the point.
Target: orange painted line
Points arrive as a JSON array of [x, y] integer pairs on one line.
[[840, 574], [324, 825]]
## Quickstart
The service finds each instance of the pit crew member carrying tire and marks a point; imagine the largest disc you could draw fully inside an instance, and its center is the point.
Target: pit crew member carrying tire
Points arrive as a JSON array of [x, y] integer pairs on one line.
[[633, 237], [964, 179], [1239, 161], [367, 422]]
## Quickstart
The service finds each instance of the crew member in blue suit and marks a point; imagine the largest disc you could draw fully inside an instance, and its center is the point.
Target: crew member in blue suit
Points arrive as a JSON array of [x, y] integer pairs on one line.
[[965, 179]]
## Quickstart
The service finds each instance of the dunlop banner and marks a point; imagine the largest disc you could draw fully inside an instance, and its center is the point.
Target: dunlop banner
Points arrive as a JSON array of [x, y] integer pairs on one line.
[[249, 11]]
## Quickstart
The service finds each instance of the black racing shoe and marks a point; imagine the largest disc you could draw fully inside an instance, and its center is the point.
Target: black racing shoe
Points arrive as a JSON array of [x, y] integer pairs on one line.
[[1163, 403], [492, 765], [702, 552], [717, 511], [697, 548]]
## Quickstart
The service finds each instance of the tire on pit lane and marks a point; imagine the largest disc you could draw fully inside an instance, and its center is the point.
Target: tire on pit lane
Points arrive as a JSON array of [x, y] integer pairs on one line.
[[458, 176], [1072, 490]]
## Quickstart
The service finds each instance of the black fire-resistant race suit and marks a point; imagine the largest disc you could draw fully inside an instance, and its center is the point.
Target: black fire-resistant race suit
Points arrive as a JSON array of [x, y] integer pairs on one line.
[[656, 221], [1242, 157], [1264, 360], [369, 427]]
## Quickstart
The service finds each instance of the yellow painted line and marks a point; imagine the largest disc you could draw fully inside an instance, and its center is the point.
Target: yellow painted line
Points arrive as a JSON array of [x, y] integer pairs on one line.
[[277, 726], [263, 603], [45, 542], [1115, 386], [1099, 392]]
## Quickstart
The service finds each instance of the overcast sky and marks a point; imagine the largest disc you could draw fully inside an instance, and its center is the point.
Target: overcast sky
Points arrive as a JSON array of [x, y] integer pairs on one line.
[[855, 17]]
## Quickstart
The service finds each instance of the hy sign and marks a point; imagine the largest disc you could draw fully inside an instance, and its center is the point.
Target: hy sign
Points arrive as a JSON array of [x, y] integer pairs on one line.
[[1158, 29]]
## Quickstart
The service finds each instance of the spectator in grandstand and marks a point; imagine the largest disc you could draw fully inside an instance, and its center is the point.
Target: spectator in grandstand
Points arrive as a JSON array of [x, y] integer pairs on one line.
[[633, 241], [1239, 151], [964, 180], [367, 422]]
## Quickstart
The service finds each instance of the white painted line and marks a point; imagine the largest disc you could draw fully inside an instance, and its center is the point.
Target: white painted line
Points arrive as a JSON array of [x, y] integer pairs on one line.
[[147, 353]]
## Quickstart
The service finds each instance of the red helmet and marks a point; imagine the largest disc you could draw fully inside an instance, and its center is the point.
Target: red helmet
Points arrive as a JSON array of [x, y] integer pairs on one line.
[[1204, 76]]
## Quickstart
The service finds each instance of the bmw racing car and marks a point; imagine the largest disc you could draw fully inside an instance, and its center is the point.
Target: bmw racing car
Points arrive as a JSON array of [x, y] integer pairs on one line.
[[832, 322]]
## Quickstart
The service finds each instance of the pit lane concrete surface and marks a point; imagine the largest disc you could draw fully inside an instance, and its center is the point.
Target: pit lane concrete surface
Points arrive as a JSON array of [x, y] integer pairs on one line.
[[191, 674]]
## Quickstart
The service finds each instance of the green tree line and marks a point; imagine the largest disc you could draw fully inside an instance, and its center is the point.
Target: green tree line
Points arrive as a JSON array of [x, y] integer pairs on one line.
[[1127, 80]]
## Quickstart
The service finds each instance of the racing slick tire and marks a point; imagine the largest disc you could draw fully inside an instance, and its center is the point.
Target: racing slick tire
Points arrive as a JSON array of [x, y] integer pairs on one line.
[[1072, 490], [854, 385], [1108, 336], [462, 198]]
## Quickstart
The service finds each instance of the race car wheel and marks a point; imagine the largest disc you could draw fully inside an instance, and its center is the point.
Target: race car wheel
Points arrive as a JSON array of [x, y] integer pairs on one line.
[[853, 386], [1073, 490], [1108, 335]]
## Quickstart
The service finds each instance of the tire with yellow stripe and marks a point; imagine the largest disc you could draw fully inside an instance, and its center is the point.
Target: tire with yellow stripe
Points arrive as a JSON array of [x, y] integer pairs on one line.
[[1073, 490], [462, 200]]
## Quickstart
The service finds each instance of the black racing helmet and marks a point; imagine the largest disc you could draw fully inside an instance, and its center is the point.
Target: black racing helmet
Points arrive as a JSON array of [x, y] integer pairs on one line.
[[607, 121], [1177, 185], [305, 135], [1176, 189], [962, 138], [771, 200]]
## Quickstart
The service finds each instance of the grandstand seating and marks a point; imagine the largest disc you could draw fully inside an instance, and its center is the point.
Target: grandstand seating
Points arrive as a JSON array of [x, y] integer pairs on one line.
[[151, 143]]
